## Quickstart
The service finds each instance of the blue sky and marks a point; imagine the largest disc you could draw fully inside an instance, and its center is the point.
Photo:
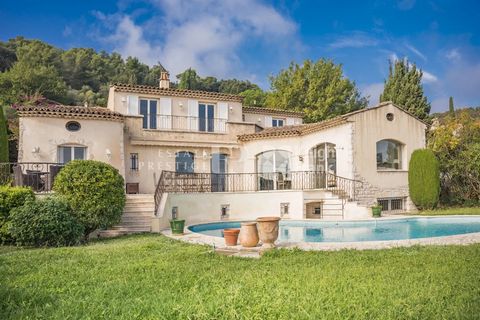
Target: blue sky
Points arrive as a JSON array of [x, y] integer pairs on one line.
[[251, 39]]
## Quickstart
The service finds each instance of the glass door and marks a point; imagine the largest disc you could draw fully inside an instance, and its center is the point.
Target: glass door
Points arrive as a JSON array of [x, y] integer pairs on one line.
[[206, 117], [218, 167]]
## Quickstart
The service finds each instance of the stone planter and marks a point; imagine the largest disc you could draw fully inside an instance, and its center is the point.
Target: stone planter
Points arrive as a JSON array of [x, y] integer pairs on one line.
[[249, 234], [231, 236], [268, 230]]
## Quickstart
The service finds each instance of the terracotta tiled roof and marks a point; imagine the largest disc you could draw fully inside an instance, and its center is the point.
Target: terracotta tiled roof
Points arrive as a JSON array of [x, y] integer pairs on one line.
[[61, 111], [292, 131], [196, 94], [271, 111], [303, 129]]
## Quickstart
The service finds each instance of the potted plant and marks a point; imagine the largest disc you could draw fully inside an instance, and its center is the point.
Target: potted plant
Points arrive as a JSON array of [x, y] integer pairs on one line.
[[268, 230], [376, 210], [177, 226]]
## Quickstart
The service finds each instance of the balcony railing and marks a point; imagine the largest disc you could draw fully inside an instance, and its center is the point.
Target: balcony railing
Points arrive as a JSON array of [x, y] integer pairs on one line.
[[173, 182], [184, 123], [37, 175]]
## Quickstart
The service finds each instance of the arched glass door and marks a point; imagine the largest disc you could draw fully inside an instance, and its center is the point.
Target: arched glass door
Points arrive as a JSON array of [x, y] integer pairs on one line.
[[273, 170], [323, 161]]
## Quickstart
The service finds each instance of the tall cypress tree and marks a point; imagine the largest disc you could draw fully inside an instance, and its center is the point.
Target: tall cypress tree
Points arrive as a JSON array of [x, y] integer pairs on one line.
[[451, 108], [3, 137], [404, 88]]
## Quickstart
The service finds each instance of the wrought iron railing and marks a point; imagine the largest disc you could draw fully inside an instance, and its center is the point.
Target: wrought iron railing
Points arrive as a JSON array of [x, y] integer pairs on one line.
[[186, 123], [174, 182], [37, 175]]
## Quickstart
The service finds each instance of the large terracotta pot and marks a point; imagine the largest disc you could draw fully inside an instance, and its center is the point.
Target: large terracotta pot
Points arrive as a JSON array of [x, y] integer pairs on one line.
[[268, 230], [249, 234], [231, 236]]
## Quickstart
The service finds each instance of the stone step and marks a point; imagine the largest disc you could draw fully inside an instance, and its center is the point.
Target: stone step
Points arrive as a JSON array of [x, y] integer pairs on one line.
[[139, 210]]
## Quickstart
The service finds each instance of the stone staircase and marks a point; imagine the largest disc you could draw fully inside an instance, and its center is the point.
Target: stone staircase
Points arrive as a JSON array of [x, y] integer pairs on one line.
[[137, 216]]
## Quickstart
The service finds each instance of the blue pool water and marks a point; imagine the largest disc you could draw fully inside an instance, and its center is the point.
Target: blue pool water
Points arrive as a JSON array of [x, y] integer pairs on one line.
[[372, 230]]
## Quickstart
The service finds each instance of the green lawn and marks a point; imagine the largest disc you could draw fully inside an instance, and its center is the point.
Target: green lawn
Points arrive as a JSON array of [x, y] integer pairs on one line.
[[153, 277], [450, 211]]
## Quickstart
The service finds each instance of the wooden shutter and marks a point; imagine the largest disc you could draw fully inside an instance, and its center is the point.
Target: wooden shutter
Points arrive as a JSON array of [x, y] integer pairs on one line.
[[132, 105], [192, 120], [222, 115], [165, 117]]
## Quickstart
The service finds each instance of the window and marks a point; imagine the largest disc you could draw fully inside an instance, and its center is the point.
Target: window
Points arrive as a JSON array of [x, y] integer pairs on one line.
[[273, 168], [134, 161], [389, 155], [206, 117], [392, 205], [69, 153], [184, 162], [148, 109], [73, 126], [277, 122]]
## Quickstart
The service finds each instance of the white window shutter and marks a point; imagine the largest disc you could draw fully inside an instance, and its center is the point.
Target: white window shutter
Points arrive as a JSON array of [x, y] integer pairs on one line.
[[268, 121], [165, 113], [192, 120], [132, 105], [290, 121], [222, 115]]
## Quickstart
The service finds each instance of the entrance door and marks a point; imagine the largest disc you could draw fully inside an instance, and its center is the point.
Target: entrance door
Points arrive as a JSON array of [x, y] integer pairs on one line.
[[324, 162], [218, 167]]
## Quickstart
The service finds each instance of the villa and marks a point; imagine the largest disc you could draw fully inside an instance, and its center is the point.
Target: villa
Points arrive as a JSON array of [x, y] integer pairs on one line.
[[203, 156]]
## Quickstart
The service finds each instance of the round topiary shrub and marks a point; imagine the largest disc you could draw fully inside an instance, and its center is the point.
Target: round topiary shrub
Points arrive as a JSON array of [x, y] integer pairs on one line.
[[45, 222], [94, 190], [424, 179], [11, 197]]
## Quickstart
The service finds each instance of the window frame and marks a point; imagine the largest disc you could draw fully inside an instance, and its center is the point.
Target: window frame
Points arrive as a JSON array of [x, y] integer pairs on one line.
[[72, 152], [209, 123], [149, 113], [400, 150], [134, 163], [187, 171], [276, 122]]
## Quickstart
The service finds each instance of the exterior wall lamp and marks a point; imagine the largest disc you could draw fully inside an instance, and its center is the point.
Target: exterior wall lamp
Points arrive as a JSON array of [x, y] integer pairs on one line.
[[35, 151], [174, 213], [108, 153]]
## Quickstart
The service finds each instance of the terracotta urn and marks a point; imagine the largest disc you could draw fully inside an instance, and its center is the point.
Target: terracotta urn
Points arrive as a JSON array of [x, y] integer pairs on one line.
[[268, 230], [231, 236], [249, 234]]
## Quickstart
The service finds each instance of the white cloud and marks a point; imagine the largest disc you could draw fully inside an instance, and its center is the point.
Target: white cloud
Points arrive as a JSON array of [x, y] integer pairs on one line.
[[428, 77], [372, 92], [453, 55], [205, 35], [416, 51], [354, 40], [405, 4]]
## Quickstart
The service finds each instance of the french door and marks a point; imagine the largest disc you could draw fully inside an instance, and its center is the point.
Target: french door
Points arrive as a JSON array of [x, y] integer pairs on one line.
[[206, 117]]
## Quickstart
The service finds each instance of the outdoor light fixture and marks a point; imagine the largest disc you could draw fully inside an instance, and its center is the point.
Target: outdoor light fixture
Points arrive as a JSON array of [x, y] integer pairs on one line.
[[124, 99], [224, 209], [300, 158], [108, 153], [174, 213], [36, 150], [180, 105]]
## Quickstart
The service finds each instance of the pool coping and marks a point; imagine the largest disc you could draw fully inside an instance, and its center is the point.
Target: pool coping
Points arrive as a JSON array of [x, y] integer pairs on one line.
[[219, 244]]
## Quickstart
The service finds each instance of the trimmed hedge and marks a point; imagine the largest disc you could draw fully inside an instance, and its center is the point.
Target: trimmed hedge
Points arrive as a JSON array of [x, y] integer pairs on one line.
[[94, 190], [10, 198], [45, 222], [424, 179]]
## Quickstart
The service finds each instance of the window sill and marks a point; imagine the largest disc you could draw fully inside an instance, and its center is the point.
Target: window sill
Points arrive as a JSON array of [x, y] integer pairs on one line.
[[183, 131]]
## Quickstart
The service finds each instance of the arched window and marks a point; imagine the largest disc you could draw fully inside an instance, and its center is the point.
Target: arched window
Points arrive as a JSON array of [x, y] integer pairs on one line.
[[184, 162], [273, 169], [389, 155]]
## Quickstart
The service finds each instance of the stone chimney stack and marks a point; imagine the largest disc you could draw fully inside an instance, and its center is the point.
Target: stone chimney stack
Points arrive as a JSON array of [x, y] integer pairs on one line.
[[164, 79]]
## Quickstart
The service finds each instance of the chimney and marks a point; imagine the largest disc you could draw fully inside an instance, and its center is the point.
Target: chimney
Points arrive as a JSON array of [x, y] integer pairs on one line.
[[164, 79]]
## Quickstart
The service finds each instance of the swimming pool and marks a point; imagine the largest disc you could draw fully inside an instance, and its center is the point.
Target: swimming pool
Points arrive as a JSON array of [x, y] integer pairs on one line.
[[354, 231]]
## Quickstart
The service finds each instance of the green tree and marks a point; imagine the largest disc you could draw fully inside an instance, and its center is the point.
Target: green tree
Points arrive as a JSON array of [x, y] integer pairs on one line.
[[404, 88], [424, 179], [451, 108], [4, 154], [317, 88], [254, 97], [189, 79]]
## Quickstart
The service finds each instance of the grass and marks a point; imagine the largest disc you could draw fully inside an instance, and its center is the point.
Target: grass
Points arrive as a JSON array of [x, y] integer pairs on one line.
[[450, 211], [153, 277]]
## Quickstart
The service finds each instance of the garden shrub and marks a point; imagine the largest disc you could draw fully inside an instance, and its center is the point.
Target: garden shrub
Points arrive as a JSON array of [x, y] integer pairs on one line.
[[45, 222], [94, 190], [424, 179], [10, 198]]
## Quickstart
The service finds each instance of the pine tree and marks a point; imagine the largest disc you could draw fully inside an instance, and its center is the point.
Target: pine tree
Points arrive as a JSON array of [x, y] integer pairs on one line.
[[451, 108], [3, 137], [404, 88]]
